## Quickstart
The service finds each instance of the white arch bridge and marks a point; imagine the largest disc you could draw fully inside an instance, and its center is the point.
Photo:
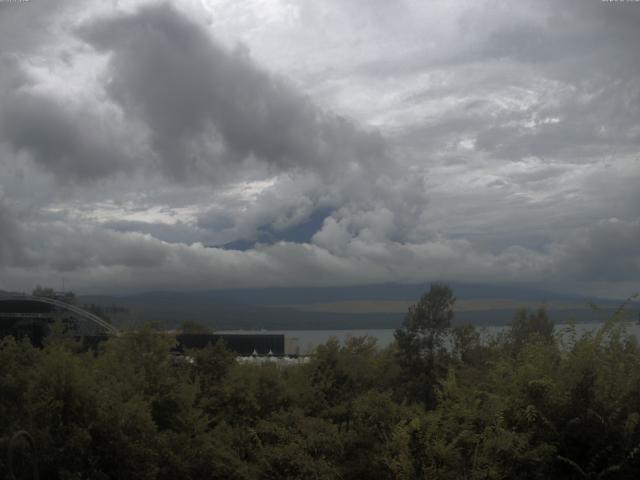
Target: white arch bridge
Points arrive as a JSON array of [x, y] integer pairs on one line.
[[77, 313]]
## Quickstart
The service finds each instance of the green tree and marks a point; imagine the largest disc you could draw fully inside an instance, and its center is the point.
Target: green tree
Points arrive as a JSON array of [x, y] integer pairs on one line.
[[339, 373], [528, 326], [466, 345], [297, 447], [190, 326], [421, 349]]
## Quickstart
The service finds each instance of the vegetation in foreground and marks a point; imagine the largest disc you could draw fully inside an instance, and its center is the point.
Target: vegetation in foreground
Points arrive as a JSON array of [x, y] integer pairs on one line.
[[438, 404]]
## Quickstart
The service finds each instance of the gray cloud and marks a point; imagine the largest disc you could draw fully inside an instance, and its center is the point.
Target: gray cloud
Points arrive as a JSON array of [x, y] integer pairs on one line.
[[132, 262], [518, 122], [76, 138], [25, 26], [607, 251], [71, 144], [171, 233], [207, 107], [9, 243], [585, 47]]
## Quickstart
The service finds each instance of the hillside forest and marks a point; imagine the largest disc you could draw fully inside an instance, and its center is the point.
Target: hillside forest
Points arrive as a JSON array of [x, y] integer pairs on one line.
[[441, 402]]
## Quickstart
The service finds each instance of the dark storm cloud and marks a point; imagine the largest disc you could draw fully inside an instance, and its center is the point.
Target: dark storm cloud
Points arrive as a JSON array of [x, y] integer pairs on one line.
[[6, 241], [9, 234], [71, 144], [207, 107], [607, 251]]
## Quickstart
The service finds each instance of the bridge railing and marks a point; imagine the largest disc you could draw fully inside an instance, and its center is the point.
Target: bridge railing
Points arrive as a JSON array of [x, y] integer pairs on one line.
[[71, 308]]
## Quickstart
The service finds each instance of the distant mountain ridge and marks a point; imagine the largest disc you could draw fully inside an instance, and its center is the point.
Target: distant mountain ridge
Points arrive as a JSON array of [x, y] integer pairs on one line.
[[388, 291], [300, 308]]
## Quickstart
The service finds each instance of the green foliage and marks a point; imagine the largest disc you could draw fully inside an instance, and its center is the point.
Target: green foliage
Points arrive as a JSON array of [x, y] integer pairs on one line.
[[441, 403], [421, 351], [295, 446], [530, 326], [189, 326]]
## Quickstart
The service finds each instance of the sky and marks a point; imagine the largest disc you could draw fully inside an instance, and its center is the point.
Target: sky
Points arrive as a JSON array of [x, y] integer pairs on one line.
[[205, 144]]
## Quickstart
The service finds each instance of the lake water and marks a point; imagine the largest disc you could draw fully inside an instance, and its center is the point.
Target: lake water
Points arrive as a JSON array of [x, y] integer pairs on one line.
[[309, 339]]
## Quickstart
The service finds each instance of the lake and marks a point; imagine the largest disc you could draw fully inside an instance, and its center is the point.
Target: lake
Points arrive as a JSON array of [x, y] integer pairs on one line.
[[309, 339]]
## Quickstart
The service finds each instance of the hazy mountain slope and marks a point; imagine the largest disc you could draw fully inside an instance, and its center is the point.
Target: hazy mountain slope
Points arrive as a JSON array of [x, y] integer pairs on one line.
[[373, 306]]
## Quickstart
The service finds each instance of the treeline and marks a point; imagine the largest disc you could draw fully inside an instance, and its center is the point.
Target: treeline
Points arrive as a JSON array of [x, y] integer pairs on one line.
[[439, 403]]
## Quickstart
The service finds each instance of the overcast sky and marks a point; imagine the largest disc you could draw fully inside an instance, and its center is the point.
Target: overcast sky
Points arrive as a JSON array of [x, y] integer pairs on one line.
[[229, 143]]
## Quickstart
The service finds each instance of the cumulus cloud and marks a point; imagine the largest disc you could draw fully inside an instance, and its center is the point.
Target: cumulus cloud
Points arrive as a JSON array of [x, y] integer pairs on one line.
[[131, 262]]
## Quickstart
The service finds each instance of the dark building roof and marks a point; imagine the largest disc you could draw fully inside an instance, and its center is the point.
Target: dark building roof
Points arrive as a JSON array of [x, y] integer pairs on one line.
[[24, 306], [241, 344]]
